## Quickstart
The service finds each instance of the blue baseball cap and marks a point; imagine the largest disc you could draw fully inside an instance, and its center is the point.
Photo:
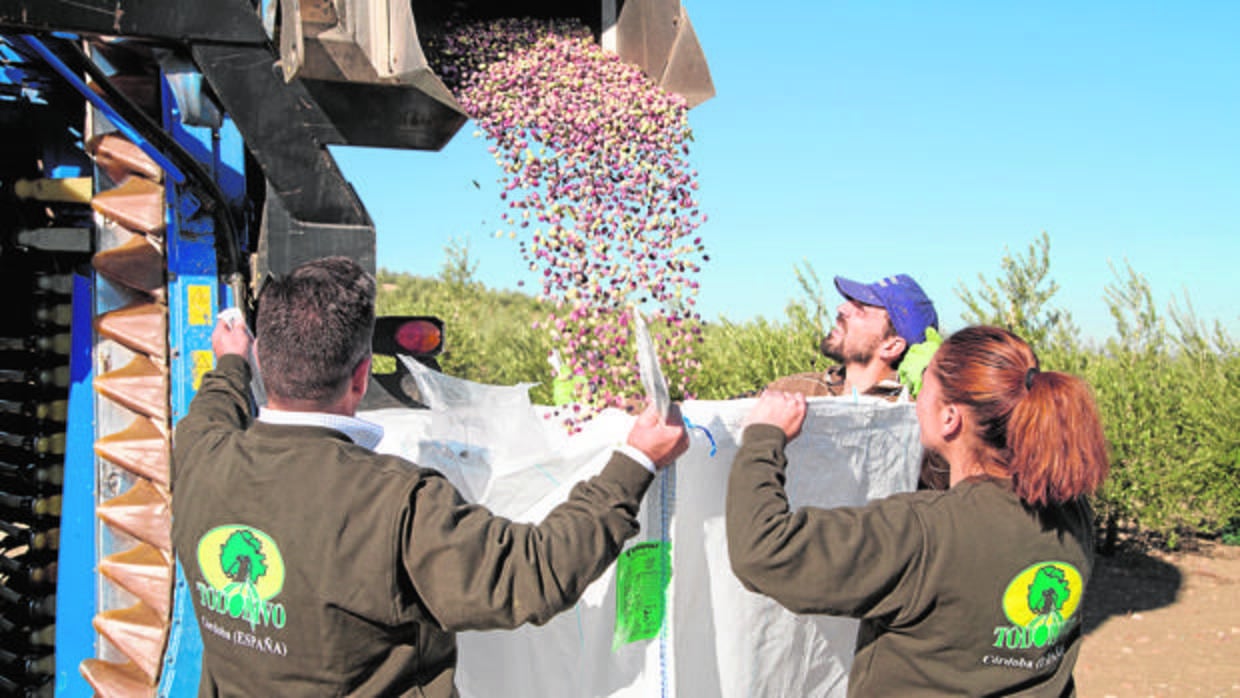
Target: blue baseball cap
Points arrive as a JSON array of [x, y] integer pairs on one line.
[[910, 309]]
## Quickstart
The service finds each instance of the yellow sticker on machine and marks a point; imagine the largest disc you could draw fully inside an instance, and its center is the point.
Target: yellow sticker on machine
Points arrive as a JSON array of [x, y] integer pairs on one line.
[[199, 304], [204, 360]]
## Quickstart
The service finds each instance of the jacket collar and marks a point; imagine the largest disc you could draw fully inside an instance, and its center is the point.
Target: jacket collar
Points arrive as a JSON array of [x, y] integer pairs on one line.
[[363, 433]]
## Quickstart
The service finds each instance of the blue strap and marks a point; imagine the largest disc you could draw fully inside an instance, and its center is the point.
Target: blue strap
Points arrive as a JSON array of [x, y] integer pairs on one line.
[[704, 430]]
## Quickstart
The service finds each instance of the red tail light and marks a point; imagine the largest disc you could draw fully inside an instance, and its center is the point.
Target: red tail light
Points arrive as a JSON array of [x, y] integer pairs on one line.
[[418, 336]]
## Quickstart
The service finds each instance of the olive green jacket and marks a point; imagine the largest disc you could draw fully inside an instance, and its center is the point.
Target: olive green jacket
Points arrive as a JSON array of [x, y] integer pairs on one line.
[[963, 592], [320, 568]]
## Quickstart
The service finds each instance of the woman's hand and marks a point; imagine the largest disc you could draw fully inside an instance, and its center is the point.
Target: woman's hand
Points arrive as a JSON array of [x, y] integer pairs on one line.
[[780, 409]]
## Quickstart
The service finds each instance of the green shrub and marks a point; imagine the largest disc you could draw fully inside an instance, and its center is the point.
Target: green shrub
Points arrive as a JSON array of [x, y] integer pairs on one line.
[[1231, 532], [488, 335], [1171, 409], [741, 358]]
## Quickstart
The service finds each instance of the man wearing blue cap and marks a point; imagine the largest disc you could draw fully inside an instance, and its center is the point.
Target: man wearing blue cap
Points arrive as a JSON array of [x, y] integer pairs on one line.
[[874, 327]]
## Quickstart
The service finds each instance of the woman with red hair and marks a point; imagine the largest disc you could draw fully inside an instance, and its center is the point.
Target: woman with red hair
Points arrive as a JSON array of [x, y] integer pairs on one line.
[[973, 590]]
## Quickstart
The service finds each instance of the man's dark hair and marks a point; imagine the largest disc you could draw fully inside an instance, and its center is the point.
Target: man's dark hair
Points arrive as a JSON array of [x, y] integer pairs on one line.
[[314, 329]]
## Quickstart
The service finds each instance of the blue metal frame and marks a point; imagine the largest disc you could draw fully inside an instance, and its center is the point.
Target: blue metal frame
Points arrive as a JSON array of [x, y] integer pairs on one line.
[[195, 295]]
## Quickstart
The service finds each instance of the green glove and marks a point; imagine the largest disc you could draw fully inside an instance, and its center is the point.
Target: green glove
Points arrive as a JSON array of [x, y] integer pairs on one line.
[[916, 359]]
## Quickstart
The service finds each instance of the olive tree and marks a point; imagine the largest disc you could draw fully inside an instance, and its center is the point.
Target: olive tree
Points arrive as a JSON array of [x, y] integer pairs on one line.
[[1019, 300]]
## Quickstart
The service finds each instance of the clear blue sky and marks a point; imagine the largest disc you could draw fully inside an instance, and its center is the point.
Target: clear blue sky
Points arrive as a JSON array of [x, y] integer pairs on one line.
[[877, 138]]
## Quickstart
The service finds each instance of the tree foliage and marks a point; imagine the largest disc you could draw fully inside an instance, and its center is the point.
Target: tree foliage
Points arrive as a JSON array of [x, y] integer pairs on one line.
[[1019, 299], [741, 358], [1172, 416], [488, 335]]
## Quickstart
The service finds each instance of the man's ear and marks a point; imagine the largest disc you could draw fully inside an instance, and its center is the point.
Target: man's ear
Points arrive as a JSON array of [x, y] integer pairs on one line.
[[891, 349], [360, 379]]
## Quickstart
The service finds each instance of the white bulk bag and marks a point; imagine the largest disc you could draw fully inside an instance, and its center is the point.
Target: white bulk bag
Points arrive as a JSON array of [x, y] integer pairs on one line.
[[722, 640]]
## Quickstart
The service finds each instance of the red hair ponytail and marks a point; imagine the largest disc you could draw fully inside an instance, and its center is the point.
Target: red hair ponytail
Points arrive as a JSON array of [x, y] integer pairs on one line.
[[1041, 429], [1058, 451]]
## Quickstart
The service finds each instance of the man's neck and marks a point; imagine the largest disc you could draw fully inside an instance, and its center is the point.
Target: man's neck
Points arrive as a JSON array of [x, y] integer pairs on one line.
[[337, 407], [862, 377]]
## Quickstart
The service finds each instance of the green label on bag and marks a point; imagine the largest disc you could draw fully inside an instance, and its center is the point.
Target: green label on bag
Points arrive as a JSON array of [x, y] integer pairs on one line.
[[642, 576]]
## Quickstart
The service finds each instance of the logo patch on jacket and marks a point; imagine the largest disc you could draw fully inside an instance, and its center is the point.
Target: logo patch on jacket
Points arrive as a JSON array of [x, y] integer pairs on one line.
[[242, 571], [1041, 604]]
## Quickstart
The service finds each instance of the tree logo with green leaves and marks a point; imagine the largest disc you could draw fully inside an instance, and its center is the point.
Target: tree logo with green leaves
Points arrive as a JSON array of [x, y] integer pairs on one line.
[[242, 558], [1041, 603], [242, 572]]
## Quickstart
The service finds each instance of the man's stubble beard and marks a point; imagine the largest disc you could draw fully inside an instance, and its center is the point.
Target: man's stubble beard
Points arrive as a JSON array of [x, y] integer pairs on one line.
[[835, 349], [830, 349]]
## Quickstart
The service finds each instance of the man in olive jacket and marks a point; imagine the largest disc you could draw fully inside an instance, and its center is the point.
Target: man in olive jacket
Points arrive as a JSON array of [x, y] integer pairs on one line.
[[319, 567]]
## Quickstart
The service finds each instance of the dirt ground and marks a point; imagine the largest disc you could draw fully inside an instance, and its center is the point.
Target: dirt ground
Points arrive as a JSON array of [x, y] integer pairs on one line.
[[1163, 624]]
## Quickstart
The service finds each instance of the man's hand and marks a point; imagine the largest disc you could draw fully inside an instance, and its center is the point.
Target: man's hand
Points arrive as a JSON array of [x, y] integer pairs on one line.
[[663, 441], [780, 409], [231, 336]]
